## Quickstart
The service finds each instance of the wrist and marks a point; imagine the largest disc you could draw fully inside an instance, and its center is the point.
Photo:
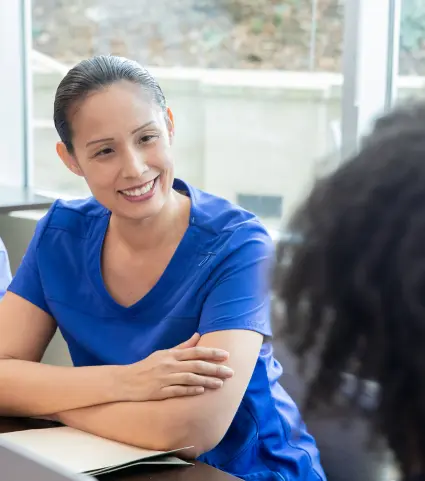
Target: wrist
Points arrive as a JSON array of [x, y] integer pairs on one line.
[[129, 384], [112, 384]]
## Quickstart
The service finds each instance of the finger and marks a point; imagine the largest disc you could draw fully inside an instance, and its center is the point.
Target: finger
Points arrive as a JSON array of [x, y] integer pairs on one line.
[[191, 379], [180, 391], [204, 353], [190, 342], [205, 368]]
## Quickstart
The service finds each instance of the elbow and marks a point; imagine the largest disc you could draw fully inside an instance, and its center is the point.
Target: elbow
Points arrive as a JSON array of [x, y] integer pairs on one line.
[[197, 433], [200, 446], [200, 436], [171, 434]]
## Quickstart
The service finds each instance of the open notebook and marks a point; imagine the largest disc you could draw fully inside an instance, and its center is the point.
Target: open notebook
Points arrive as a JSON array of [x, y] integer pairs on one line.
[[81, 452]]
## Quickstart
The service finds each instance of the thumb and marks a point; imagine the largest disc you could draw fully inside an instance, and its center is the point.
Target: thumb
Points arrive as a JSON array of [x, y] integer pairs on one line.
[[190, 342]]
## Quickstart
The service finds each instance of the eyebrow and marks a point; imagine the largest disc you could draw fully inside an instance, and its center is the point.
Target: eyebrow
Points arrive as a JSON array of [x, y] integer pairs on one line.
[[108, 139]]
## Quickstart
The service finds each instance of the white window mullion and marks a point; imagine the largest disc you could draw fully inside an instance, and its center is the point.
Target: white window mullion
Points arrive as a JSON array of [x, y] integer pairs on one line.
[[370, 64]]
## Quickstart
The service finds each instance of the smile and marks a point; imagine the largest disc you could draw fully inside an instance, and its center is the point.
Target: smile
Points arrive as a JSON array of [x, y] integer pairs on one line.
[[140, 190]]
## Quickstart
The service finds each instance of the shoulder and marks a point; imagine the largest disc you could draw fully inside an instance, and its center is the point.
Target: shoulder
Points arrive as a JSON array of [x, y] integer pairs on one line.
[[228, 228], [216, 214], [77, 217], [222, 217]]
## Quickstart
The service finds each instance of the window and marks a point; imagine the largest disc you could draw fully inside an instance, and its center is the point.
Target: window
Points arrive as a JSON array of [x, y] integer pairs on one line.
[[411, 59], [248, 83], [264, 93], [267, 206]]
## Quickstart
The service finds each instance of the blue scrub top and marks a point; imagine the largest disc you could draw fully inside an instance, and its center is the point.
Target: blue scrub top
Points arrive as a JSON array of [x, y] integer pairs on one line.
[[5, 274], [216, 280]]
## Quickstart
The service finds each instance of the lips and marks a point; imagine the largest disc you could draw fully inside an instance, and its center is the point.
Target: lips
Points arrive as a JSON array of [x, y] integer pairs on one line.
[[140, 189]]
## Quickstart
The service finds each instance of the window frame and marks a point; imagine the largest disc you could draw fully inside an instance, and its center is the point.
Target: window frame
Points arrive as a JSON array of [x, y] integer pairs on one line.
[[370, 66], [16, 150]]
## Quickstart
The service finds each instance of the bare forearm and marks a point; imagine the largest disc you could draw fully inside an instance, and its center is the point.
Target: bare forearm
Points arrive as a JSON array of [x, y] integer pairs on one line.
[[150, 425], [199, 421], [34, 389]]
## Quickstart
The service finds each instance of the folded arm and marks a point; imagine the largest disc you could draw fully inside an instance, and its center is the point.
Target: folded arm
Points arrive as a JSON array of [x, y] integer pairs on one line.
[[201, 421], [35, 389], [30, 388], [235, 316]]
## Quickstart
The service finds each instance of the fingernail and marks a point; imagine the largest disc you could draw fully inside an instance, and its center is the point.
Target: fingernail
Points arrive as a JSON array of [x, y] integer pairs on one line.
[[226, 370], [221, 353], [199, 390], [217, 383]]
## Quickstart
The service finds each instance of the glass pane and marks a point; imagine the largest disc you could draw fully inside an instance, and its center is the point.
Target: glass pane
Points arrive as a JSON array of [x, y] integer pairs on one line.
[[411, 80], [266, 206], [254, 85]]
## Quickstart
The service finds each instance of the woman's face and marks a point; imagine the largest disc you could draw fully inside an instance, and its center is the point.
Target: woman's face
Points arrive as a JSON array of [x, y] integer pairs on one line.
[[122, 147]]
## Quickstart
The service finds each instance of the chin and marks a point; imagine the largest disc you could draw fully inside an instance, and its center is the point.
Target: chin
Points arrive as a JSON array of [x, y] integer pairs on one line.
[[140, 211]]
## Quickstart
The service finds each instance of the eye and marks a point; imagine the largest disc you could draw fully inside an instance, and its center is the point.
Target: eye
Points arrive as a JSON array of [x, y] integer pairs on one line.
[[103, 152], [147, 139]]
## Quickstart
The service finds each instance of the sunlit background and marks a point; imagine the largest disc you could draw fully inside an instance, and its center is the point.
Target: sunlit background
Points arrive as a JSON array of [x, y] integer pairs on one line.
[[257, 86]]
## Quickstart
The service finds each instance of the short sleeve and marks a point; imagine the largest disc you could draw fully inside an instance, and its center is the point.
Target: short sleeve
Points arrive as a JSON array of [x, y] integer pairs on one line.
[[239, 293], [27, 282], [5, 274]]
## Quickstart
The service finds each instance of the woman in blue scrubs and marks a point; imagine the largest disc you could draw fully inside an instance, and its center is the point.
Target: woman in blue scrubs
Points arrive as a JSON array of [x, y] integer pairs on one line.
[[144, 265]]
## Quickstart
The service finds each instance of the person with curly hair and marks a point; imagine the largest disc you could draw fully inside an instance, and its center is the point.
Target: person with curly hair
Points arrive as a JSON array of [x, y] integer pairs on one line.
[[353, 287]]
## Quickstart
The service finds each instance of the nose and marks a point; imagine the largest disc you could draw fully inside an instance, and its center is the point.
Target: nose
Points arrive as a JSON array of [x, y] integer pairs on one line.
[[134, 165]]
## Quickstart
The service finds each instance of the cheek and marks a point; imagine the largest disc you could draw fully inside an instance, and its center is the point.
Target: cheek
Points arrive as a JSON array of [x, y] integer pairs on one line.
[[101, 175], [161, 157]]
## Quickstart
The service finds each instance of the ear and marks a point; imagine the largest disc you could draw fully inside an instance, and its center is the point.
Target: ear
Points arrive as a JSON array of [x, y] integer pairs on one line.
[[170, 124], [68, 159]]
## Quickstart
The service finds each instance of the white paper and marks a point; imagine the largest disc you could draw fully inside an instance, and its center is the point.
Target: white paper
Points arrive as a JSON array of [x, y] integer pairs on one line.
[[78, 451]]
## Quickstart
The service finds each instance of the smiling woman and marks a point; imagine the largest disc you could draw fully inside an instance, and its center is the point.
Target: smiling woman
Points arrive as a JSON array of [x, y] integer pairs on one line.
[[117, 159], [143, 265]]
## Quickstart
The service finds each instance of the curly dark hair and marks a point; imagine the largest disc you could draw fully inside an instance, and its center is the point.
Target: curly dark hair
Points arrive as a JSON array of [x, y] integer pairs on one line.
[[353, 287]]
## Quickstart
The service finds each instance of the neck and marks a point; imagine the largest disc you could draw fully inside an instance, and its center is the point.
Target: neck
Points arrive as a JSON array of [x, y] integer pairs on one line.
[[148, 234]]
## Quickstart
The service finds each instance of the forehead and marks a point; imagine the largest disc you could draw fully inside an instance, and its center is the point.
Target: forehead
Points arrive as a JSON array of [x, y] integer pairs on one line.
[[112, 109]]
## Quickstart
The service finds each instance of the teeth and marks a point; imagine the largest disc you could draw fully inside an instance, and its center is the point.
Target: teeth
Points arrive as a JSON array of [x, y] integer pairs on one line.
[[140, 190]]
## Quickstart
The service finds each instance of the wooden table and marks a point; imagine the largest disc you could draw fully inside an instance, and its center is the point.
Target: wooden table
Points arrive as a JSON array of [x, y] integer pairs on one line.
[[198, 472]]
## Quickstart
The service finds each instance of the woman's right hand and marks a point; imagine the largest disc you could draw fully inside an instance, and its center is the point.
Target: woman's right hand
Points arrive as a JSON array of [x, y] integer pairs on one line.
[[186, 370]]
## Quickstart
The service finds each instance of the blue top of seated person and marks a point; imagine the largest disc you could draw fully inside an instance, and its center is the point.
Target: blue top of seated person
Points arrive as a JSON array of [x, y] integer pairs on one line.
[[5, 274]]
